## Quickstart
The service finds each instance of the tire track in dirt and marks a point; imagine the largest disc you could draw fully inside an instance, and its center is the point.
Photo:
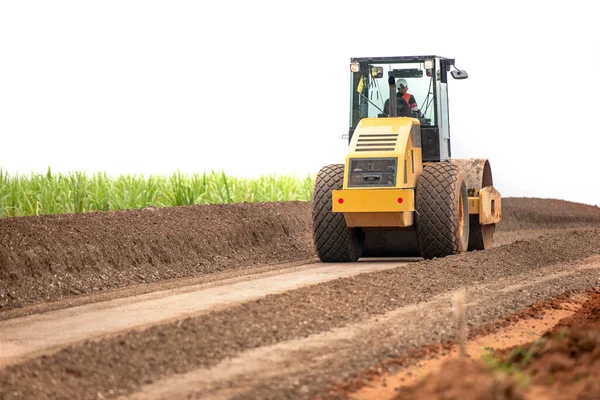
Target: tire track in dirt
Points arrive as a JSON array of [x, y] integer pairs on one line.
[[236, 375], [123, 364], [45, 333], [394, 334]]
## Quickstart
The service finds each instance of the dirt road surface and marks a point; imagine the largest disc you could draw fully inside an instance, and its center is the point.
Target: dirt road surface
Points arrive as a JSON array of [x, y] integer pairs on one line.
[[229, 301], [31, 335]]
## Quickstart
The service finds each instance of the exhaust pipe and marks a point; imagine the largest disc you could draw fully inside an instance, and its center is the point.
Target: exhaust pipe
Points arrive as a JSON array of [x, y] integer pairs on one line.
[[393, 101]]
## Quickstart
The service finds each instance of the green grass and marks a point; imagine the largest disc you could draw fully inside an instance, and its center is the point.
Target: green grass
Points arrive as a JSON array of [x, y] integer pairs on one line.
[[507, 367], [77, 192], [516, 362]]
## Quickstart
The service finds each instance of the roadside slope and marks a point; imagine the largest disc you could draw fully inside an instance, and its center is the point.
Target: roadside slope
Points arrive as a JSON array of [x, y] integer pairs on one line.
[[519, 213], [562, 364], [57, 256]]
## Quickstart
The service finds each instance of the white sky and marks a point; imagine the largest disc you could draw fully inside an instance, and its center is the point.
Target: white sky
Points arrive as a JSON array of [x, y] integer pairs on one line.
[[155, 87]]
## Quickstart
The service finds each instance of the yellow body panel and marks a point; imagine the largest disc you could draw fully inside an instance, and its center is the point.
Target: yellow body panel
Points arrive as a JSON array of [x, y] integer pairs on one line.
[[378, 206], [373, 200], [490, 206], [388, 138]]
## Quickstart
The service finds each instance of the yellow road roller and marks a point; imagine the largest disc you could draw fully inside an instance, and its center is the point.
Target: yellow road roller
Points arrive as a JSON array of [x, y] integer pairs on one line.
[[399, 192]]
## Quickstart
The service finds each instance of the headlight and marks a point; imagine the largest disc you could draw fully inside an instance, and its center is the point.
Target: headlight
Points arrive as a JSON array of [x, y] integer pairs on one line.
[[372, 172]]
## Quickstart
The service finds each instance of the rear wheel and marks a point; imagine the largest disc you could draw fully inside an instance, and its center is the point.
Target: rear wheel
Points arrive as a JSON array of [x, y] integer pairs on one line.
[[334, 240], [442, 210], [482, 236], [478, 175]]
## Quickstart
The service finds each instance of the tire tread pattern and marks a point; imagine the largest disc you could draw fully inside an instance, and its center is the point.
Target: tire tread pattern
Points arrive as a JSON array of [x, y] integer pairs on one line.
[[437, 210], [334, 240]]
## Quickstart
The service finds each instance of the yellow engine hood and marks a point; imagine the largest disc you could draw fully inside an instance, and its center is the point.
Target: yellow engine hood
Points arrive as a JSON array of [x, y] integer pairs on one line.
[[389, 137]]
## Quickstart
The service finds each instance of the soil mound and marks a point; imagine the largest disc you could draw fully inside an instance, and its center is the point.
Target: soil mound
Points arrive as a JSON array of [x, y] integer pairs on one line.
[[520, 213], [464, 380], [563, 364], [50, 257]]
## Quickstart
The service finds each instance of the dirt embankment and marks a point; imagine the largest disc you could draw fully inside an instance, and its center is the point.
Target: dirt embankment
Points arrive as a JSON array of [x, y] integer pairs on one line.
[[54, 257], [519, 213], [58, 256], [562, 364]]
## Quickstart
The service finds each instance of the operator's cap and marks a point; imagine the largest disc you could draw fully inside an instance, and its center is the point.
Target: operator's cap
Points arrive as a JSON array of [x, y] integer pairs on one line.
[[401, 82]]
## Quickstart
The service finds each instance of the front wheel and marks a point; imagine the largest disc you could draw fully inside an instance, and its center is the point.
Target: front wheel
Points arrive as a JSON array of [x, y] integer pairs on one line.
[[334, 240], [442, 210]]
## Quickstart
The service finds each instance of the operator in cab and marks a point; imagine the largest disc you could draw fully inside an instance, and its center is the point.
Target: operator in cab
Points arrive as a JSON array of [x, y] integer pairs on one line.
[[407, 105]]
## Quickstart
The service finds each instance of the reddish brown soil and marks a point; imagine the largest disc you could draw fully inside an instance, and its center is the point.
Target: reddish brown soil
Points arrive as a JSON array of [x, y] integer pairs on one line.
[[54, 257], [563, 364], [434, 350]]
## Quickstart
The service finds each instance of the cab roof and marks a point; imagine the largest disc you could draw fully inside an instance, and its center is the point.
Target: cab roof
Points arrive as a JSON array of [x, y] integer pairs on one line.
[[396, 59]]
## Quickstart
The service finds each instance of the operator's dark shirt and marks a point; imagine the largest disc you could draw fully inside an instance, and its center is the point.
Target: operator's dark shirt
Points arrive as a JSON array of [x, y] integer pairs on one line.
[[403, 107]]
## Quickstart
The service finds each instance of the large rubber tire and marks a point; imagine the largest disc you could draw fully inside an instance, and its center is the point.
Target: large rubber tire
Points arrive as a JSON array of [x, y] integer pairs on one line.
[[442, 209], [334, 240]]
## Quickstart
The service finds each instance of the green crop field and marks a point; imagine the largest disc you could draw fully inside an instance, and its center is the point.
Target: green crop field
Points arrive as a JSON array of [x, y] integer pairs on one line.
[[77, 192]]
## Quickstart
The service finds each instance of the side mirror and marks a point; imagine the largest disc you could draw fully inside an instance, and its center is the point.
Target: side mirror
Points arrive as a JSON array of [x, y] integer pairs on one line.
[[459, 74], [376, 72]]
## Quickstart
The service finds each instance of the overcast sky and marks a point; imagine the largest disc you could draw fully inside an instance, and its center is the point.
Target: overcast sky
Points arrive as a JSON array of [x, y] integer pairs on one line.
[[260, 87]]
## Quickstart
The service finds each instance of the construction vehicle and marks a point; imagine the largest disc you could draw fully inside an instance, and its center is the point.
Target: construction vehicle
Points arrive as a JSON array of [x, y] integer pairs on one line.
[[400, 193]]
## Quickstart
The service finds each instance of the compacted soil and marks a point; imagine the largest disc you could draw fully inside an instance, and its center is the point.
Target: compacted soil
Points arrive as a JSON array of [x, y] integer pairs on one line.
[[319, 338]]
